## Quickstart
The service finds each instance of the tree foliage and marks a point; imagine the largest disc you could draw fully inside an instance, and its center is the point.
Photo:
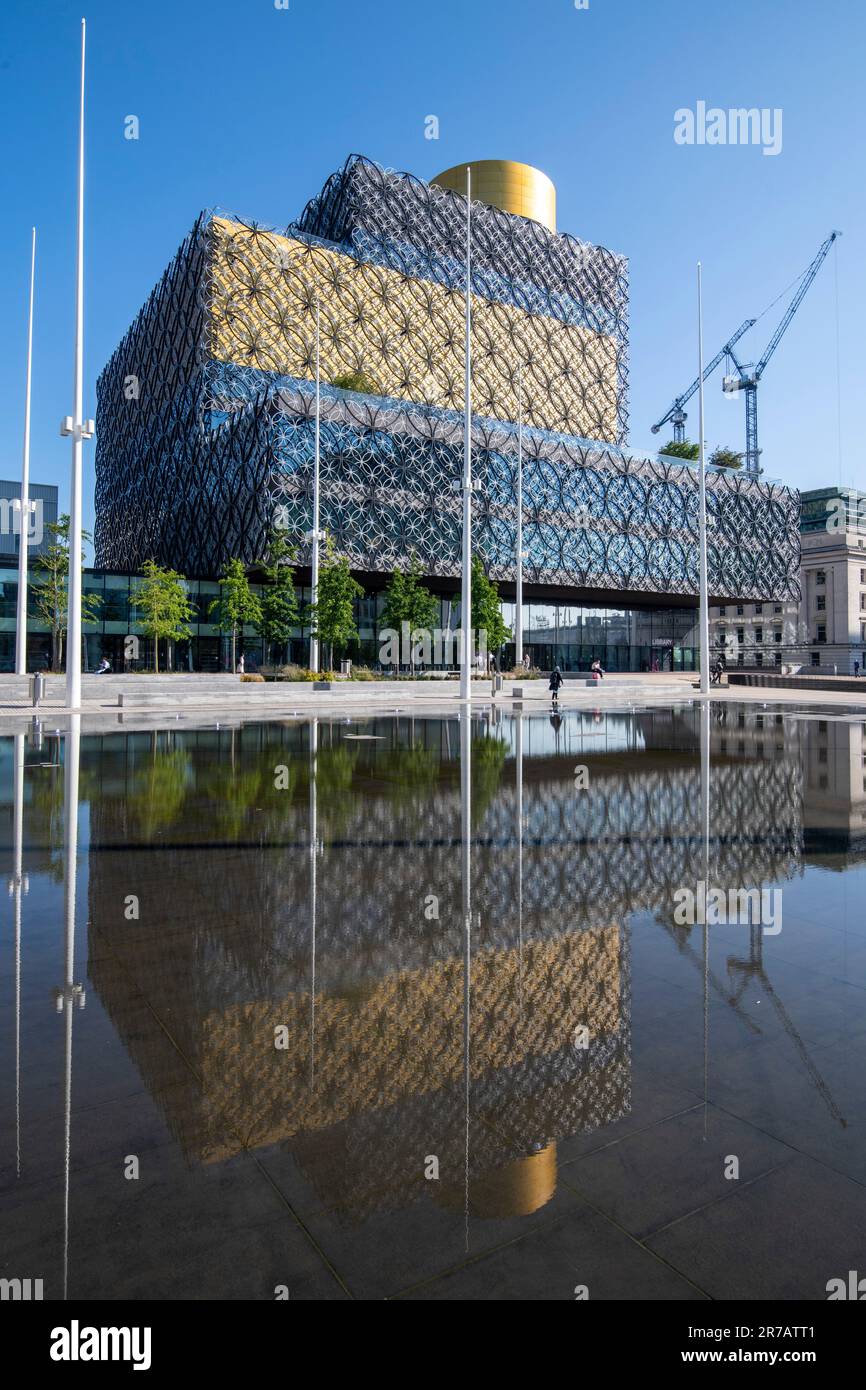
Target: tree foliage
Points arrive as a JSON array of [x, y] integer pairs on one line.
[[332, 617], [279, 601], [724, 457], [356, 381], [164, 605], [681, 449], [407, 600], [49, 593], [236, 603], [487, 608]]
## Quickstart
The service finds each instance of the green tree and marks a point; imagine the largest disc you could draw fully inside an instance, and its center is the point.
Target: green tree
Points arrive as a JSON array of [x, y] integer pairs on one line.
[[407, 600], [164, 605], [332, 618], [157, 793], [356, 381], [488, 765], [279, 602], [50, 592], [487, 608], [681, 449], [236, 604], [724, 457]]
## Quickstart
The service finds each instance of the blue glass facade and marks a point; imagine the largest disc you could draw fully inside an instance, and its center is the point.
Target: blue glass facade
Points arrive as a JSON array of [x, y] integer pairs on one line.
[[569, 634]]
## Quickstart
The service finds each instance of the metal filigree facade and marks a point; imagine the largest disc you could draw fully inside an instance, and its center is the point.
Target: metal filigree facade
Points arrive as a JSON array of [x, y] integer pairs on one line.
[[205, 431], [376, 1051], [594, 516], [405, 334]]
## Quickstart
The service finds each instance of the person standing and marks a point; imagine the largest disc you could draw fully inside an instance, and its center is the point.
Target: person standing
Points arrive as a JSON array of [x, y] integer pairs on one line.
[[555, 683]]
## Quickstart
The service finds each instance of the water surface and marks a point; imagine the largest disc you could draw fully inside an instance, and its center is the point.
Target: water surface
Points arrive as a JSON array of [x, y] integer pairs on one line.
[[402, 1007]]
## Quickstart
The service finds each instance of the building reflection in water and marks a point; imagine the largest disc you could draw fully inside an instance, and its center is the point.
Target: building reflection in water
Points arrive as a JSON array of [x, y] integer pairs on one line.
[[432, 913]]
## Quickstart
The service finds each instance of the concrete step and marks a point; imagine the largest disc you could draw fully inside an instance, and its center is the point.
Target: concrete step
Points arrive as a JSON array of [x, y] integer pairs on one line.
[[215, 691]]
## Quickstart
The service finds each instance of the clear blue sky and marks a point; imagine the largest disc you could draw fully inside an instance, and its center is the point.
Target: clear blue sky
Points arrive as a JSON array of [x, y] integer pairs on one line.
[[249, 107]]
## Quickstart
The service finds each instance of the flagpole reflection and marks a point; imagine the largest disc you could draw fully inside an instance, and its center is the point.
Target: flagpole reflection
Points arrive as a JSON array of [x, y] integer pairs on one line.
[[18, 887], [466, 882], [70, 994]]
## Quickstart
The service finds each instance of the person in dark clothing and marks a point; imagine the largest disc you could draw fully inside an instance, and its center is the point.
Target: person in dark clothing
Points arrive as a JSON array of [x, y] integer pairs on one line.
[[555, 683]]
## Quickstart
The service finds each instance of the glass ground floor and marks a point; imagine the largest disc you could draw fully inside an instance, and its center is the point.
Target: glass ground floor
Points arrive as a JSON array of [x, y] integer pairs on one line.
[[555, 632]]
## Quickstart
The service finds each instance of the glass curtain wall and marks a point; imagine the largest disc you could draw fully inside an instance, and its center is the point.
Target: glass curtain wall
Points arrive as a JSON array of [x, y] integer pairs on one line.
[[556, 633]]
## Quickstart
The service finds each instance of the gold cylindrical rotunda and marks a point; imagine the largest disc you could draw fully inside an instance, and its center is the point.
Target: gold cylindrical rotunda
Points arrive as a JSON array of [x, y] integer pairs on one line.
[[504, 184]]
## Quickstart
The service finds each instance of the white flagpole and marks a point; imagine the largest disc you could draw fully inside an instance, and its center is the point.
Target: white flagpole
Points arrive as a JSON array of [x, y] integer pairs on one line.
[[466, 589], [518, 625], [79, 429], [21, 620], [704, 612], [314, 576]]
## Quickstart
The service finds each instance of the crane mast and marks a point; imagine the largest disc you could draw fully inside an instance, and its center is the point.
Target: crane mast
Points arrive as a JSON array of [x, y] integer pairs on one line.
[[747, 378], [677, 414]]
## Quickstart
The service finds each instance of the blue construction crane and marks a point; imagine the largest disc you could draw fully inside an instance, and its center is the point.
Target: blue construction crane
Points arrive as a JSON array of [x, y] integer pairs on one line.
[[747, 377], [676, 412]]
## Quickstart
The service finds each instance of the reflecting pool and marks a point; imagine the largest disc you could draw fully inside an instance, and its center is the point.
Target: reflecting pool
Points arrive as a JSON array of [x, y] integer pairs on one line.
[[436, 1007]]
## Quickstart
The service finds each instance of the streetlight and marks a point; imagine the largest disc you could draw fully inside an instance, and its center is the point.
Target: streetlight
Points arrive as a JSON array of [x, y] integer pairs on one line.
[[78, 429]]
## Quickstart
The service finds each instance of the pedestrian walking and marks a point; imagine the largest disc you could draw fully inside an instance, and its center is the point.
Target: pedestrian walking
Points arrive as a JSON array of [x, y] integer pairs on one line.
[[555, 683]]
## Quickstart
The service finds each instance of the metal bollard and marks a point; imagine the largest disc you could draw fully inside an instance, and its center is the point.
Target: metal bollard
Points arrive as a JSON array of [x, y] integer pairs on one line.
[[37, 689]]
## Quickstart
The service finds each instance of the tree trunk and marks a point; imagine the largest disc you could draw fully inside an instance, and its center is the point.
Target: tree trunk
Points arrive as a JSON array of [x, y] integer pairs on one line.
[[156, 656], [234, 640]]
